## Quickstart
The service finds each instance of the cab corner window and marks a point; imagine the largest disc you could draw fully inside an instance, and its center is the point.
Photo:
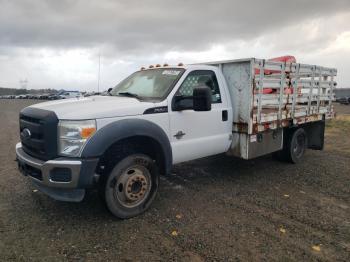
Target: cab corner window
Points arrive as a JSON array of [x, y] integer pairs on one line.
[[201, 78]]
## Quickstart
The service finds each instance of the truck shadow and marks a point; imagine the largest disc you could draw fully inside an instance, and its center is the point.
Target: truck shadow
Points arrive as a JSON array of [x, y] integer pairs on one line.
[[222, 167]]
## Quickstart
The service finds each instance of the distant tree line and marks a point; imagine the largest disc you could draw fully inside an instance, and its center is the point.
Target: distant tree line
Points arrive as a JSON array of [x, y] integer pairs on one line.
[[22, 91]]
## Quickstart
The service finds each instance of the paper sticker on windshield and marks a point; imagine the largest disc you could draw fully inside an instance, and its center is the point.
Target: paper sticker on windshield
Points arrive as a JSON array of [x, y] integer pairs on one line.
[[171, 72]]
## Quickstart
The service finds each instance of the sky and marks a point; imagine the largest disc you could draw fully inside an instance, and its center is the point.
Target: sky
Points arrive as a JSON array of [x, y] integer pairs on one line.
[[57, 44]]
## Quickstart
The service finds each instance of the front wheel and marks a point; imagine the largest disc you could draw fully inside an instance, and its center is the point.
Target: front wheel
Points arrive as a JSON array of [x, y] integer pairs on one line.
[[131, 186]]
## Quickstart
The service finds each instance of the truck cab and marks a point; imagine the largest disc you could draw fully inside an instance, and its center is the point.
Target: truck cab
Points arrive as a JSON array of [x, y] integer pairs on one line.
[[121, 143]]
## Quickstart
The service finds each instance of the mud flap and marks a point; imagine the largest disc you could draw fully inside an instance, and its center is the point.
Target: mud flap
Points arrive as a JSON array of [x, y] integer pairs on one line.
[[315, 134]]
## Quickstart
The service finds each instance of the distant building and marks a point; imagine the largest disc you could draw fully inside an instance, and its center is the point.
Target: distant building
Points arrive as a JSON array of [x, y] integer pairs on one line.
[[342, 92]]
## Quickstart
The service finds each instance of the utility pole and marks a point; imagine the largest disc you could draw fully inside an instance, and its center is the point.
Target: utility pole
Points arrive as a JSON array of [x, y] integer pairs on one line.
[[99, 72]]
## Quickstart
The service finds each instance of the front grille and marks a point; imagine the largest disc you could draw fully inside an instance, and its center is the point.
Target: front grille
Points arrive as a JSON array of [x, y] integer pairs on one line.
[[41, 140]]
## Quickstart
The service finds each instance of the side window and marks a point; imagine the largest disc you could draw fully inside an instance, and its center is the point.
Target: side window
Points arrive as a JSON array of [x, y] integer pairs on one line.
[[200, 78]]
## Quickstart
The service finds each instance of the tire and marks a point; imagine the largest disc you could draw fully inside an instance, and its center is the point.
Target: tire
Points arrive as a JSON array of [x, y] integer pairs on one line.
[[131, 186], [294, 146]]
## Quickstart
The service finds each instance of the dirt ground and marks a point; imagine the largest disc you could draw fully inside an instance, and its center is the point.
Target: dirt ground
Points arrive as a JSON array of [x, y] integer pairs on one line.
[[213, 209]]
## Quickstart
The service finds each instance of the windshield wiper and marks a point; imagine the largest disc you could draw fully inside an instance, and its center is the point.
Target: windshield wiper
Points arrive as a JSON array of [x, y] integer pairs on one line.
[[129, 95]]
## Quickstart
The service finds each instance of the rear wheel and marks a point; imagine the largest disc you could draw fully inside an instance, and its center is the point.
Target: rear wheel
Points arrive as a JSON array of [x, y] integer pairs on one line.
[[131, 186], [295, 144]]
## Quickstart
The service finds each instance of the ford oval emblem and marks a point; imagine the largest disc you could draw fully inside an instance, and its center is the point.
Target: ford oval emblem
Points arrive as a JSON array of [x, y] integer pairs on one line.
[[26, 134]]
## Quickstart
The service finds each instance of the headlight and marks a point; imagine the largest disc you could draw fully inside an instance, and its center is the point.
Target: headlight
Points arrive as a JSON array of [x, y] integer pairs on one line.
[[72, 136]]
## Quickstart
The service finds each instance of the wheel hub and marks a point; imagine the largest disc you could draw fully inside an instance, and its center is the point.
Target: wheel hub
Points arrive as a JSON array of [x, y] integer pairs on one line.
[[136, 187], [133, 186]]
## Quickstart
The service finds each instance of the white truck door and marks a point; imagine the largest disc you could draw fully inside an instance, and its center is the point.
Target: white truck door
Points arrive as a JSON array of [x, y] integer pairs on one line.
[[198, 134]]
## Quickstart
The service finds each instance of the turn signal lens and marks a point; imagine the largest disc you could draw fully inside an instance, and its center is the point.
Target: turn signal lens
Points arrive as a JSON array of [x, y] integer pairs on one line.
[[87, 132]]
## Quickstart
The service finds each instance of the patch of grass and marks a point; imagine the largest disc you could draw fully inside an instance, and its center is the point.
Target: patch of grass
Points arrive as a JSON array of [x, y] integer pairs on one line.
[[340, 122], [338, 134]]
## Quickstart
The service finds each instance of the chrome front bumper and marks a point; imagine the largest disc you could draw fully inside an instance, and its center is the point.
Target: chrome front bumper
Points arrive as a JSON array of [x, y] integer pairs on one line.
[[46, 173]]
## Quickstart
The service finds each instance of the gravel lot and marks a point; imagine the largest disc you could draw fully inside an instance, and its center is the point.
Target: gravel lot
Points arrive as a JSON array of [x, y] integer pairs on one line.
[[217, 208]]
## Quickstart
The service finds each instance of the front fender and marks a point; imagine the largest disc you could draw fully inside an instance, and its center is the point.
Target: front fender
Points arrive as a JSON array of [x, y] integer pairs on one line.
[[127, 128]]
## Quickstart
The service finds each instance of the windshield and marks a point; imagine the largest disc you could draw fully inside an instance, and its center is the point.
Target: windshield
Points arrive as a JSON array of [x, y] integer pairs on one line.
[[149, 84]]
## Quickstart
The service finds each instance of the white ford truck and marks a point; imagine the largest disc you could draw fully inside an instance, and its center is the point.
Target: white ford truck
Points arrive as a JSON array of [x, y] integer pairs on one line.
[[164, 115]]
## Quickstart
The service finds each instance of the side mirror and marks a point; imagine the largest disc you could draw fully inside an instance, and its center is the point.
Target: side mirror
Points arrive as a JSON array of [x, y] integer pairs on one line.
[[109, 90], [202, 98]]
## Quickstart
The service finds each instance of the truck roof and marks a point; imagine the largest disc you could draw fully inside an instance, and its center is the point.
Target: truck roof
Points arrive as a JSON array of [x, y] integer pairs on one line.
[[189, 66]]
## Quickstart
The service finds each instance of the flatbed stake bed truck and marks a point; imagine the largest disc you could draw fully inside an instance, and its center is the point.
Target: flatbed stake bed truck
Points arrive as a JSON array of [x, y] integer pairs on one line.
[[165, 115]]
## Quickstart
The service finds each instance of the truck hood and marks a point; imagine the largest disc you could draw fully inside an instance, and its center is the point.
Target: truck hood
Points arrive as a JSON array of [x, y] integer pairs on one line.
[[95, 107]]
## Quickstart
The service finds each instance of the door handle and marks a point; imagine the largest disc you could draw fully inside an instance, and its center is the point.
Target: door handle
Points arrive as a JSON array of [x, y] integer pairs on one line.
[[224, 115], [179, 135]]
